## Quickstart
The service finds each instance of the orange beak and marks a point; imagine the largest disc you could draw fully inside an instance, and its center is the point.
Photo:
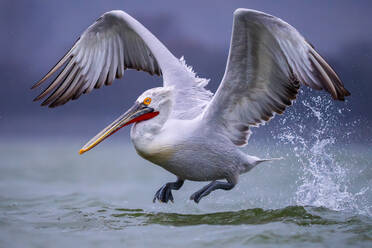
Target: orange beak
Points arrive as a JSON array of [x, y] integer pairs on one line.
[[139, 112]]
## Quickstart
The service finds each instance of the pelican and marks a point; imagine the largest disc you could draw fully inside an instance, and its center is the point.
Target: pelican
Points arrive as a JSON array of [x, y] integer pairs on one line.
[[181, 126]]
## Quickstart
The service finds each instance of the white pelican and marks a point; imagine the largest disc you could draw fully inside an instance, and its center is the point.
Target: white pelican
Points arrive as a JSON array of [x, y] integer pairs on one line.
[[181, 126]]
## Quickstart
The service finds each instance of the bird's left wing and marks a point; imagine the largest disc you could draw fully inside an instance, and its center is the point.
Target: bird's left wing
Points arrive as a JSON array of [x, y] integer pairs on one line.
[[115, 42], [268, 60]]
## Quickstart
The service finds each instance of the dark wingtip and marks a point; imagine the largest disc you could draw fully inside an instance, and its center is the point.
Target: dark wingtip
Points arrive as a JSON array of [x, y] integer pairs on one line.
[[338, 90], [344, 92], [38, 83], [56, 104], [347, 93], [45, 103], [37, 98]]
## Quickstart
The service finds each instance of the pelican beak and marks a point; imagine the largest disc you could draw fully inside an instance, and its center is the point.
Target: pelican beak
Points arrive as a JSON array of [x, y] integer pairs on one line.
[[139, 112]]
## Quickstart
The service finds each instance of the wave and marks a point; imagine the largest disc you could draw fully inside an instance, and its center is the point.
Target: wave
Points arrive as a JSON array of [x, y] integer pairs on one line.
[[299, 215]]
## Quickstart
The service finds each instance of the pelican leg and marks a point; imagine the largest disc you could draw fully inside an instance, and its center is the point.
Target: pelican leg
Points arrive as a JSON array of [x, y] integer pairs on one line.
[[206, 190], [164, 194]]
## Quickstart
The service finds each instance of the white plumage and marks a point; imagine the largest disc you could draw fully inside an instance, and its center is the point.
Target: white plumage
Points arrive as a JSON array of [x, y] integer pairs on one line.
[[180, 126]]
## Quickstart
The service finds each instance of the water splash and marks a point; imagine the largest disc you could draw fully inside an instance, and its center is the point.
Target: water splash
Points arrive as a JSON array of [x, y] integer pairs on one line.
[[312, 133]]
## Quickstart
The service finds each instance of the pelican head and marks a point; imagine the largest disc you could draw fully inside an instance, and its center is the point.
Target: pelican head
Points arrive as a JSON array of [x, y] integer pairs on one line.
[[147, 106]]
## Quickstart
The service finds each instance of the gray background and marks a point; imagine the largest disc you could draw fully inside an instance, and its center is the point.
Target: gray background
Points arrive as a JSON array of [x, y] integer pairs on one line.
[[35, 34]]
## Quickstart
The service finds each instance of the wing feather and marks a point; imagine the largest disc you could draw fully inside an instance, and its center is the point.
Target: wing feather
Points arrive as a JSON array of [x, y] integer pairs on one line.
[[56, 81], [62, 87], [268, 60], [115, 42], [69, 90]]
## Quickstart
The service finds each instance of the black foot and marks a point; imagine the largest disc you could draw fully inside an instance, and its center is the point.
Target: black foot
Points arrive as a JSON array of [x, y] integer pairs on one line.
[[164, 194], [206, 190]]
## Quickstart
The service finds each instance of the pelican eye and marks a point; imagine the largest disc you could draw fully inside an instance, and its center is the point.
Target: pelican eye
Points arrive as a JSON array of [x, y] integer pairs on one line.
[[147, 101]]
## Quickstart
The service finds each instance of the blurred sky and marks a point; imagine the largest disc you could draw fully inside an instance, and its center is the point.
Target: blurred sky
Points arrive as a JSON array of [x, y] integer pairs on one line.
[[35, 34]]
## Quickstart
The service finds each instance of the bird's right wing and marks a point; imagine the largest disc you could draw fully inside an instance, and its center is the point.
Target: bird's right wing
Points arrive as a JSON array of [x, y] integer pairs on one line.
[[115, 42], [268, 60]]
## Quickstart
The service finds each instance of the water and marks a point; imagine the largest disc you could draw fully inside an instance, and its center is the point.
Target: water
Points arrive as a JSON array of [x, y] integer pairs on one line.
[[319, 195]]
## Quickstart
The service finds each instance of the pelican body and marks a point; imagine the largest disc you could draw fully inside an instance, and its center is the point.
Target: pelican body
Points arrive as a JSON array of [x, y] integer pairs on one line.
[[182, 126]]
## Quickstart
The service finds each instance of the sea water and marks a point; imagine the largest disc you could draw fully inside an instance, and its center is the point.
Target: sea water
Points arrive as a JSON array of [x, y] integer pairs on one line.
[[318, 195]]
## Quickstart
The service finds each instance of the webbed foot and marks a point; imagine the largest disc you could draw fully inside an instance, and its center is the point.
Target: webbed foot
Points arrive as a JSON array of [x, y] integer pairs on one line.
[[164, 194]]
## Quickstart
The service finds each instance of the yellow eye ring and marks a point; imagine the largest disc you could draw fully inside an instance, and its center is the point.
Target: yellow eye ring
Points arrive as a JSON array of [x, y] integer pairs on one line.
[[147, 101]]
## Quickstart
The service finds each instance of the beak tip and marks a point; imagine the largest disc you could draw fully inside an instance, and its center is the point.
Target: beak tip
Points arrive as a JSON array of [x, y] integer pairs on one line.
[[82, 151]]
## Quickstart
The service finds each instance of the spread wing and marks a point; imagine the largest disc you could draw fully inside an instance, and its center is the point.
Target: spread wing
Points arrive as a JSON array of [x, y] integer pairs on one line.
[[116, 42], [268, 61]]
